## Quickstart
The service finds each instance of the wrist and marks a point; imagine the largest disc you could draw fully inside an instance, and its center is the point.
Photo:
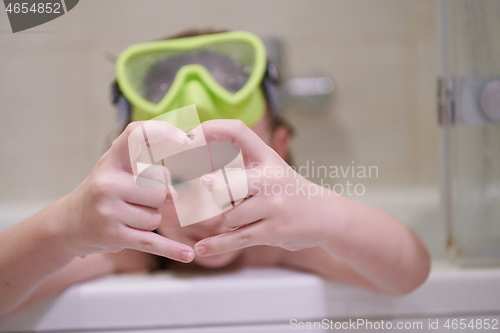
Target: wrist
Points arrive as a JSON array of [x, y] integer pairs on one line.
[[60, 227], [332, 220], [45, 228]]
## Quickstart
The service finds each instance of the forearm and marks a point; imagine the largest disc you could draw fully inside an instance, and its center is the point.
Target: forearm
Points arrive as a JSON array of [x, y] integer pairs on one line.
[[77, 271], [323, 263], [375, 244], [88, 268], [29, 253]]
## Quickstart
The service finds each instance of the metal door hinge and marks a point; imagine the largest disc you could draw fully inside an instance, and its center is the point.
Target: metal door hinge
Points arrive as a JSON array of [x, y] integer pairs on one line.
[[469, 100]]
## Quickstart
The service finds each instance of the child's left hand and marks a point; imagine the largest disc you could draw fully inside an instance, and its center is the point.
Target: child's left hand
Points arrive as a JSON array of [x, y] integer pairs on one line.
[[357, 244], [282, 208]]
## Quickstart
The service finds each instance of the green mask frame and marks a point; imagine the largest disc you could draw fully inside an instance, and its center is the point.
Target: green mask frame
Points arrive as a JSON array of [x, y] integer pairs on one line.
[[194, 83]]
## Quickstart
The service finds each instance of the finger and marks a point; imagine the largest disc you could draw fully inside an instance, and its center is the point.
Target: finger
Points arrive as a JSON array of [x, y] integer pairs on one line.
[[157, 178], [150, 242], [128, 191], [229, 188], [134, 144], [240, 183], [249, 235], [139, 217], [250, 210], [163, 138], [149, 143], [235, 131]]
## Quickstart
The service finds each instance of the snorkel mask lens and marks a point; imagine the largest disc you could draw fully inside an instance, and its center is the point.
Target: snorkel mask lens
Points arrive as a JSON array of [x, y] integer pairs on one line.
[[224, 69], [219, 73]]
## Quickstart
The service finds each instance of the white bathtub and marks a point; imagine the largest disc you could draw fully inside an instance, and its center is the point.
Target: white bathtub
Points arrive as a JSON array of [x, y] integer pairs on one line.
[[270, 300]]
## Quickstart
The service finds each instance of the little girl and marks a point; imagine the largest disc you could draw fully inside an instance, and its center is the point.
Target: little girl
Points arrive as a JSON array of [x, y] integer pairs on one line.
[[110, 225]]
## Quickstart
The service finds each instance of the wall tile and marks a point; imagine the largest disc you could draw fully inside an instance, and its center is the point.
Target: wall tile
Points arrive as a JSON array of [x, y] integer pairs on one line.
[[381, 54]]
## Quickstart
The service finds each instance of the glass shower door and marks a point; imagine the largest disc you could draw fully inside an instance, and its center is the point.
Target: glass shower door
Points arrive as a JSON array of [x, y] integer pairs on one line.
[[469, 115]]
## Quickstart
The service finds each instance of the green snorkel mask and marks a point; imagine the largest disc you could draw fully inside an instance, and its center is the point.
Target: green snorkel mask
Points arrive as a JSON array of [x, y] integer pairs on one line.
[[220, 73]]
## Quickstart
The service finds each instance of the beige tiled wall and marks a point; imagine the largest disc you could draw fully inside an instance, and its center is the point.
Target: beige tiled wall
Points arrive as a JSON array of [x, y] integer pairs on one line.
[[381, 55]]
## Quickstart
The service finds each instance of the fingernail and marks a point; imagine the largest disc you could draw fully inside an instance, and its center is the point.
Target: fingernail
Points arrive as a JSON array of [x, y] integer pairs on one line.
[[200, 249], [187, 256], [206, 181], [181, 136]]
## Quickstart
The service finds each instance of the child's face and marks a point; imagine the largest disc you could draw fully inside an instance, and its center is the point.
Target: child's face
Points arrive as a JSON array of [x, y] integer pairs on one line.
[[191, 234]]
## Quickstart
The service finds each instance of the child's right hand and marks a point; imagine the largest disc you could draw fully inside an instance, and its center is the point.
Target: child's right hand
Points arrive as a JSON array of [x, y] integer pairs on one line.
[[108, 212]]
